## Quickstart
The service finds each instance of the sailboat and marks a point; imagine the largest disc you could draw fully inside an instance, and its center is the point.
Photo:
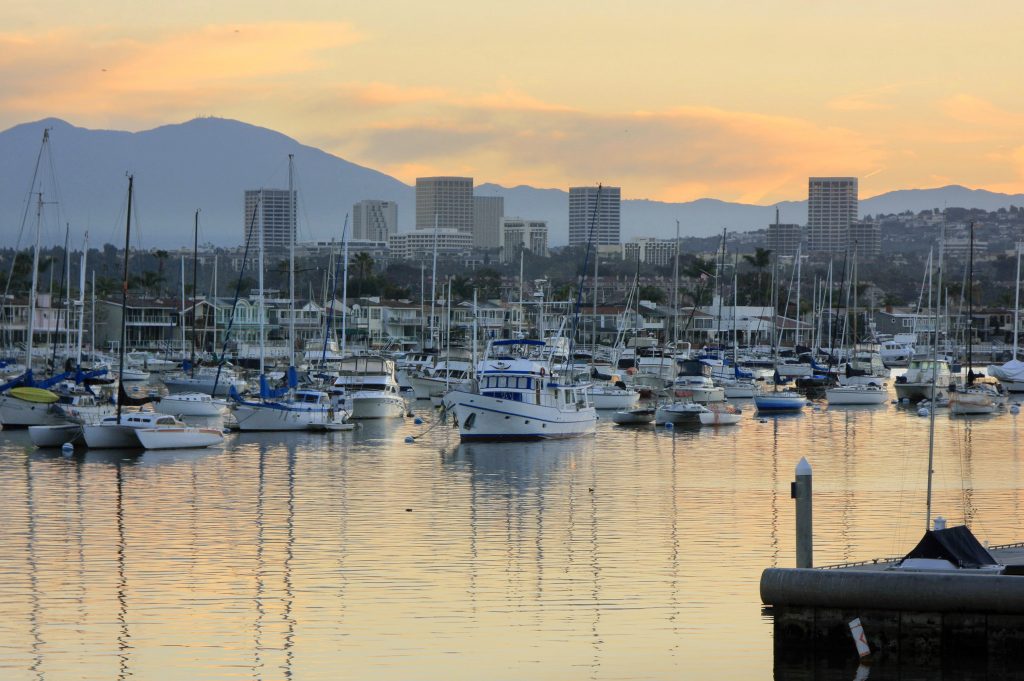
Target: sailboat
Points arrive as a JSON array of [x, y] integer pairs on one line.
[[855, 394], [942, 549], [148, 430], [775, 400], [194, 403], [1011, 374], [287, 408], [973, 398]]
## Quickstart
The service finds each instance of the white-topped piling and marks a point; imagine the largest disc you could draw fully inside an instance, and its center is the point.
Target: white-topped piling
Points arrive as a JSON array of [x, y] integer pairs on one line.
[[801, 491]]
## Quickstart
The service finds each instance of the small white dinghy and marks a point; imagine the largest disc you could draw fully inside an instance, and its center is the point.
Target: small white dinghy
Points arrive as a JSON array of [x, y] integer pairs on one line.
[[178, 436], [634, 417], [718, 415]]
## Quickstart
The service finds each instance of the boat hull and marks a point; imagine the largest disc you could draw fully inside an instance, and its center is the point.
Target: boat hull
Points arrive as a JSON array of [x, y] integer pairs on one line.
[[55, 436], [377, 407], [618, 400], [915, 392], [481, 417], [203, 385], [191, 404], [179, 438], [17, 413], [791, 402], [847, 396], [110, 436], [251, 417]]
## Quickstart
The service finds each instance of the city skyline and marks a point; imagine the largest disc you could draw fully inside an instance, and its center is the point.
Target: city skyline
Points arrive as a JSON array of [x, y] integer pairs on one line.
[[907, 110]]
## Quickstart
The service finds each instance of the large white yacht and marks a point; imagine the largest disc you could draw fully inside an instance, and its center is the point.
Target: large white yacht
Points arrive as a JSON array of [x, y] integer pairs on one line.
[[368, 389], [518, 398]]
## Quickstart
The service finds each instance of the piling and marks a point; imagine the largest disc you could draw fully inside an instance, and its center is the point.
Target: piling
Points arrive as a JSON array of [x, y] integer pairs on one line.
[[801, 492]]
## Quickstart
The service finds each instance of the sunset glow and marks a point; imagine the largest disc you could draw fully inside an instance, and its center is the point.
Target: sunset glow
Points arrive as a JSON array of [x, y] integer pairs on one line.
[[734, 100]]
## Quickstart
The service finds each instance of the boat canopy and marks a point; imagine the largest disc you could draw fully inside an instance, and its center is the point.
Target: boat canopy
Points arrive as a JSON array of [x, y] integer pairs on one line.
[[956, 544], [519, 341]]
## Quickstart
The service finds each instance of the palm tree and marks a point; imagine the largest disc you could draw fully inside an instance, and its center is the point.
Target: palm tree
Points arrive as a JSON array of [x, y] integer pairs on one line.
[[760, 261], [362, 263]]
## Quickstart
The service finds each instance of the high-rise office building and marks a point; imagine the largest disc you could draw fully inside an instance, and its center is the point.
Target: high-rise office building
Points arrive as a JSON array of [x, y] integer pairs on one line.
[[374, 220], [487, 214], [271, 211], [448, 200], [518, 234], [785, 240], [831, 207], [597, 205]]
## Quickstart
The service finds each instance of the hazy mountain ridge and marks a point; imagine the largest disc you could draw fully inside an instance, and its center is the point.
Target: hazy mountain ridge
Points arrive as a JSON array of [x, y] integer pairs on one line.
[[207, 163]]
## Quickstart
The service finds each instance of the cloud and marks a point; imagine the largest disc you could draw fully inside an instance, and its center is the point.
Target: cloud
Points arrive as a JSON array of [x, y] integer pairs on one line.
[[95, 74], [680, 154]]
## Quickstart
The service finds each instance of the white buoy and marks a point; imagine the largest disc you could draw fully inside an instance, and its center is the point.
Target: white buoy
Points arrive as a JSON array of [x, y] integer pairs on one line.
[[923, 411], [763, 420], [67, 449]]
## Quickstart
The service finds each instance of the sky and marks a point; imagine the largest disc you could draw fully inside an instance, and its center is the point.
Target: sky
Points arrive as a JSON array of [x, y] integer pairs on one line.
[[671, 100]]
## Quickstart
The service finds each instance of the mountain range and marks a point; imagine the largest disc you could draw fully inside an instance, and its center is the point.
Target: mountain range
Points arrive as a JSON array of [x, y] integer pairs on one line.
[[208, 163]]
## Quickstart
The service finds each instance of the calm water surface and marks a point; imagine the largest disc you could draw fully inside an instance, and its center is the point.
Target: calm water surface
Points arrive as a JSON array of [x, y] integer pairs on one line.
[[632, 555]]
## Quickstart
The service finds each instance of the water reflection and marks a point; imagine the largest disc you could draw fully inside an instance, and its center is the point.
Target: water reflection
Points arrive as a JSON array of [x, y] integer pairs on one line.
[[634, 554]]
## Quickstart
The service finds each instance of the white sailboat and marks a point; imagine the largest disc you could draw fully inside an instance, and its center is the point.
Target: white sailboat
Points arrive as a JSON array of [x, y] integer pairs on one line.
[[1011, 373]]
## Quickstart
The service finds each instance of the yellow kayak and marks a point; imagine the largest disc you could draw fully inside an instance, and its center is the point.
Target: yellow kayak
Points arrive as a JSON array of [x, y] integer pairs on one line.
[[41, 395]]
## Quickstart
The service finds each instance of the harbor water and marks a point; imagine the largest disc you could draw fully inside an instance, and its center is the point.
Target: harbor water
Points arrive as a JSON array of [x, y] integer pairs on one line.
[[634, 554]]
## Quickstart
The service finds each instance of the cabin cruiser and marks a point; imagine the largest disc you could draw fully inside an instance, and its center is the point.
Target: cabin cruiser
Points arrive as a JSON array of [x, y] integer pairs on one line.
[[443, 376], [517, 397], [694, 382], [916, 384], [368, 389]]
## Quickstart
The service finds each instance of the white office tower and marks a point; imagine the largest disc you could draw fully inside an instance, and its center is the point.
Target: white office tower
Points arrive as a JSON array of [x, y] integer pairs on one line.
[[446, 202], [487, 214], [374, 220], [275, 216], [831, 208], [587, 205]]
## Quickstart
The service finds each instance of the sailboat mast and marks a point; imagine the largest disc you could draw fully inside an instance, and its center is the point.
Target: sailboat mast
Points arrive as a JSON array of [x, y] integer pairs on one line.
[[181, 320], [433, 285], [935, 374], [798, 263], [970, 310], [67, 291], [260, 310], [92, 315], [1016, 304], [291, 259], [81, 301], [675, 294], [344, 286], [195, 284], [35, 277], [124, 299], [522, 313]]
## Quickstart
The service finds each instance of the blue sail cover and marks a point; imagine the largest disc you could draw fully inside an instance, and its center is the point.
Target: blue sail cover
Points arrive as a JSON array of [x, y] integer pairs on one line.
[[740, 373], [293, 377], [267, 393]]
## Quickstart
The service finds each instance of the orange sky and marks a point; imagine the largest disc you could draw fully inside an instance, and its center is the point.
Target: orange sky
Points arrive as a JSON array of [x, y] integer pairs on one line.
[[671, 100]]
